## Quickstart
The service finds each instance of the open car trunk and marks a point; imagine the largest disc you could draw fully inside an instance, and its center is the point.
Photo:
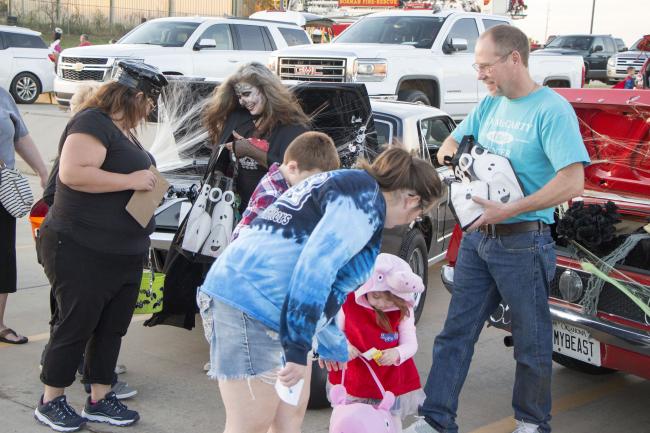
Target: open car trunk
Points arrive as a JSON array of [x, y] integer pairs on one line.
[[615, 126], [182, 150]]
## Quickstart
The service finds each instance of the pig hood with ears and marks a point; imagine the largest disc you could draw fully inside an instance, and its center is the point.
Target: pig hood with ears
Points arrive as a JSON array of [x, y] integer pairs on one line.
[[394, 275]]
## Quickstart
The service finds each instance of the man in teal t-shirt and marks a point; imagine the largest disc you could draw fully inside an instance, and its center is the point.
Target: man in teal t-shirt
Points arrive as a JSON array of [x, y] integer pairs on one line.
[[508, 252]]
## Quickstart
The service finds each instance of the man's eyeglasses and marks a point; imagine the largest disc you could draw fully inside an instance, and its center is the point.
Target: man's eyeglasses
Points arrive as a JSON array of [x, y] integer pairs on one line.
[[487, 67]]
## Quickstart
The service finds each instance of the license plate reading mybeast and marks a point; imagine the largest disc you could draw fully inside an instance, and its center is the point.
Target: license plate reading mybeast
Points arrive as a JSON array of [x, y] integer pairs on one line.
[[575, 343]]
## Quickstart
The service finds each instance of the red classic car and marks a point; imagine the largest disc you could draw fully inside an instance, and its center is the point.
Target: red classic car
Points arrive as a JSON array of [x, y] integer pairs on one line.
[[615, 335]]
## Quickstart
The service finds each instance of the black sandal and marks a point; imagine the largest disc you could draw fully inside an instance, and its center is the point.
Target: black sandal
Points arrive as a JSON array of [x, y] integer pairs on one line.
[[7, 331]]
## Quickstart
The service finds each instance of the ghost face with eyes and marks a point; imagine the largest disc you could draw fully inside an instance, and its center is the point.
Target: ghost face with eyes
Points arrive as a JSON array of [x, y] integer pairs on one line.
[[250, 97]]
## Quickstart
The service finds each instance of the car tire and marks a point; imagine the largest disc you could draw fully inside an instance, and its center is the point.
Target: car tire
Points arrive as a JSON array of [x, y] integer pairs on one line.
[[580, 366], [414, 251], [317, 388], [413, 96], [25, 88]]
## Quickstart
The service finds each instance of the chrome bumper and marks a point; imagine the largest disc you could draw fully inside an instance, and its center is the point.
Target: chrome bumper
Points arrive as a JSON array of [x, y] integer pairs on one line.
[[618, 335], [614, 334], [161, 241]]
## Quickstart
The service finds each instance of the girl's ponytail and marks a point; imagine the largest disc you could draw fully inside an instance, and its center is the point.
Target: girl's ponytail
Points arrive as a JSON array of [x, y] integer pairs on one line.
[[396, 169]]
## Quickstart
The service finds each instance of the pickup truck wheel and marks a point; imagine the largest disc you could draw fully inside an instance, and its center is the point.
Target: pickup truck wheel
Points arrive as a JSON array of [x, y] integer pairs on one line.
[[25, 88], [414, 251], [317, 392], [413, 96], [581, 366]]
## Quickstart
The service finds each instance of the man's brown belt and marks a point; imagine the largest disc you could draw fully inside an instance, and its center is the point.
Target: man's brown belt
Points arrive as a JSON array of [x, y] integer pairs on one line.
[[514, 228]]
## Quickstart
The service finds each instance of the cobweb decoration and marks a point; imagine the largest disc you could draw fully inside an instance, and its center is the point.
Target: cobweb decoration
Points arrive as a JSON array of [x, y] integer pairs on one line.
[[622, 154], [343, 117], [180, 135], [608, 264], [181, 138]]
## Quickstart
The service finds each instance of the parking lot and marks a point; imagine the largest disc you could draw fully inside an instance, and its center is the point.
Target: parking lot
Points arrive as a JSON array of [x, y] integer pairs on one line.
[[165, 363]]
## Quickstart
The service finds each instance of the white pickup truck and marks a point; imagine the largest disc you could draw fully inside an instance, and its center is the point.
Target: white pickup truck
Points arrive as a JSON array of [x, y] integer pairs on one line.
[[197, 46], [415, 56]]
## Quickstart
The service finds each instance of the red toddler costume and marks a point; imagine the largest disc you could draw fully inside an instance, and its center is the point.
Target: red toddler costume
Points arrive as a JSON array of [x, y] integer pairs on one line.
[[358, 321]]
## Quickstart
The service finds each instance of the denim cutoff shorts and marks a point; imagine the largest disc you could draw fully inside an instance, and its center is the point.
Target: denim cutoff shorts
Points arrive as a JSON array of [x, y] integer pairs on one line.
[[240, 347]]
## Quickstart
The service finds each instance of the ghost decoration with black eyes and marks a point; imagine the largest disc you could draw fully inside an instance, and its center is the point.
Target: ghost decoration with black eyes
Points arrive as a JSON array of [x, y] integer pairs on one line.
[[211, 220], [479, 173], [464, 208], [222, 222]]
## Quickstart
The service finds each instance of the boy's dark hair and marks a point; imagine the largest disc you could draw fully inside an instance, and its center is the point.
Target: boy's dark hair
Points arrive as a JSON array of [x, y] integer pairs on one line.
[[313, 151], [630, 68]]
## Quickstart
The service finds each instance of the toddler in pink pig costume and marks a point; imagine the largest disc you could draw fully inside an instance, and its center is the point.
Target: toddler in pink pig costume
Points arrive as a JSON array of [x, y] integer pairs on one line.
[[379, 315]]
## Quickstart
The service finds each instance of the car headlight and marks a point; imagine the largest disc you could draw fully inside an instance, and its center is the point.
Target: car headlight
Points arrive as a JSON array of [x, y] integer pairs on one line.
[[570, 285], [273, 64], [611, 62], [370, 70], [117, 60]]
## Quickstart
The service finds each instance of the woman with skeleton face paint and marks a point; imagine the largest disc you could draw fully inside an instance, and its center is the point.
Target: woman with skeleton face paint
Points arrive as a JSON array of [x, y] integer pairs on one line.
[[255, 117]]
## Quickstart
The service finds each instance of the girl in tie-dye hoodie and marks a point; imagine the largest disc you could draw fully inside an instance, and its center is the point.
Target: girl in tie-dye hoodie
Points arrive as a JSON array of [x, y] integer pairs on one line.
[[281, 283]]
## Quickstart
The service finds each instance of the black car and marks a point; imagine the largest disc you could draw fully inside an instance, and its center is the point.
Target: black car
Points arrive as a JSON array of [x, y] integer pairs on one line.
[[594, 49]]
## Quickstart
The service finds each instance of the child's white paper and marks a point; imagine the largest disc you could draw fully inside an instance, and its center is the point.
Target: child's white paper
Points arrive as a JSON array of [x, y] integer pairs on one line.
[[370, 354], [289, 395]]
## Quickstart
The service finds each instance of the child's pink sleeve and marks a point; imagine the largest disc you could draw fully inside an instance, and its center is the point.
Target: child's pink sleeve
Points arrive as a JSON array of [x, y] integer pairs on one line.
[[408, 341]]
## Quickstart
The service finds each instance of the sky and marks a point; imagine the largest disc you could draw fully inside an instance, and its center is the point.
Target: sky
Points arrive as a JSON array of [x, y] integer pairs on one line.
[[626, 19]]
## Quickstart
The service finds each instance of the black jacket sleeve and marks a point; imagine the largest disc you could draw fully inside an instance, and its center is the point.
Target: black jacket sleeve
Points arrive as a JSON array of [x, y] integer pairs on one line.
[[280, 140]]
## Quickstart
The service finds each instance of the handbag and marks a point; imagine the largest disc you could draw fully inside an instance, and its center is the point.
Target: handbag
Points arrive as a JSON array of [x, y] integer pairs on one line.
[[15, 194], [361, 417], [206, 230], [480, 173]]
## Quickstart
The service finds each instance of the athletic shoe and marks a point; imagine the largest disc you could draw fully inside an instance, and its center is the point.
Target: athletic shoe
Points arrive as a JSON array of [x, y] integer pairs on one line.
[[58, 415], [525, 427], [109, 410], [121, 389], [420, 426]]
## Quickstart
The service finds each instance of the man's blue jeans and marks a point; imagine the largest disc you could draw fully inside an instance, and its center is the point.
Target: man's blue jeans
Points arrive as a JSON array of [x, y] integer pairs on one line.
[[518, 269]]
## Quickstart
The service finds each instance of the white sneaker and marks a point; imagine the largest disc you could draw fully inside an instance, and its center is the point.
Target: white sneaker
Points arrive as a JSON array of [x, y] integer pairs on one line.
[[525, 427], [206, 367], [420, 426]]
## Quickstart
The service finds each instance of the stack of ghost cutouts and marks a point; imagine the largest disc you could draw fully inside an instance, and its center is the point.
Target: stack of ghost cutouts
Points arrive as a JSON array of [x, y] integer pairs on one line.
[[479, 173]]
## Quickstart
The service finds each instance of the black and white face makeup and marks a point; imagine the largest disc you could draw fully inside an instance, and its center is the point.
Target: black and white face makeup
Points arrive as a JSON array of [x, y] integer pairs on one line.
[[250, 97]]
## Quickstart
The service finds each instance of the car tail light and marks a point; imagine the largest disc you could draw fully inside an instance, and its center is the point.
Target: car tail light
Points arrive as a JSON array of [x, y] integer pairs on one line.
[[37, 215], [584, 75]]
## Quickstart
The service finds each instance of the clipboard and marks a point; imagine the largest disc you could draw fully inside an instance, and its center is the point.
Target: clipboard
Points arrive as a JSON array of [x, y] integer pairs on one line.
[[143, 204]]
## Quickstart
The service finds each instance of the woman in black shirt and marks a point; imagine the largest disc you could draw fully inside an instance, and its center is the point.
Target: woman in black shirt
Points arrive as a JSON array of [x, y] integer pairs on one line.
[[256, 117], [92, 249]]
